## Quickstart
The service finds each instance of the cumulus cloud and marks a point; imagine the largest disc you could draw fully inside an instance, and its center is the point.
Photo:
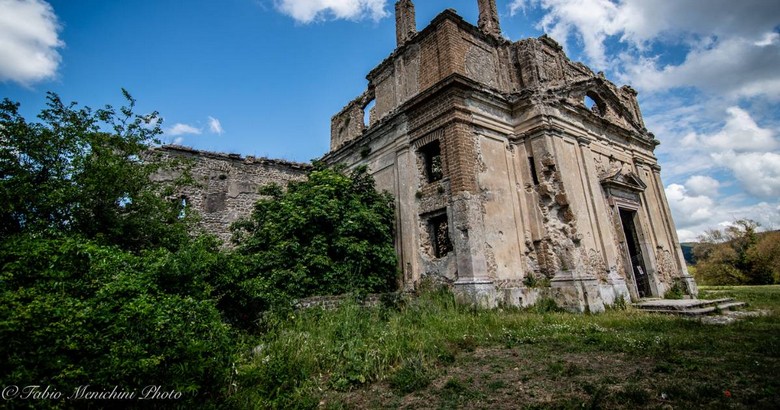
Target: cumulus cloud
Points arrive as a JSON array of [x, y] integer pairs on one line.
[[307, 11], [29, 40], [734, 47], [182, 129], [215, 126], [740, 133], [696, 212], [702, 185], [736, 67], [591, 21], [688, 208], [759, 173], [707, 73]]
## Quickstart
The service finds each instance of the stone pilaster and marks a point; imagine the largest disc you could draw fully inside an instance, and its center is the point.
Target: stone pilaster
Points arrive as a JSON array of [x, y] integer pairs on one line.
[[474, 285]]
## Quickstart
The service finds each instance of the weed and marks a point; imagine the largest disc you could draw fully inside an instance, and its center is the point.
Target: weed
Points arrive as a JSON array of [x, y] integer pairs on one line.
[[619, 304], [317, 354], [532, 281], [467, 343], [546, 305], [454, 384], [412, 376], [497, 385], [675, 292], [634, 394]]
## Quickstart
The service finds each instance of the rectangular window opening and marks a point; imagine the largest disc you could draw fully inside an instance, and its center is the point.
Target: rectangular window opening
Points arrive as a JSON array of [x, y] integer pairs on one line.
[[533, 170], [440, 235], [431, 154]]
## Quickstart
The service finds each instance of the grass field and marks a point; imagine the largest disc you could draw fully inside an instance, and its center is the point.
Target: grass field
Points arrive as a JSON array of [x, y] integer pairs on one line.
[[432, 353]]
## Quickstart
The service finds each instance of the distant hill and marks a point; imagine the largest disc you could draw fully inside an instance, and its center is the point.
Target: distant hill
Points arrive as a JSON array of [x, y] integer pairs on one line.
[[687, 249]]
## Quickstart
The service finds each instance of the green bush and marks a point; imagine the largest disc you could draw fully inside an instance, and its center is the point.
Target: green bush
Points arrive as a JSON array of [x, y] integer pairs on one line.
[[330, 234], [78, 313]]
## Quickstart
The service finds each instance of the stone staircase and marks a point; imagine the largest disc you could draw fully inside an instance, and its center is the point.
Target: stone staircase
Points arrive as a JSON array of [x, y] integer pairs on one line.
[[688, 307]]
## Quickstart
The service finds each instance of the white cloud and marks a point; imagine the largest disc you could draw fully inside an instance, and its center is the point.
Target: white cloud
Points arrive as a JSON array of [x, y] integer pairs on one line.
[[307, 11], [29, 39], [709, 83], [688, 208], [592, 21], [178, 140], [735, 67], [734, 46], [758, 172], [181, 129], [215, 126], [694, 213], [702, 185], [740, 133]]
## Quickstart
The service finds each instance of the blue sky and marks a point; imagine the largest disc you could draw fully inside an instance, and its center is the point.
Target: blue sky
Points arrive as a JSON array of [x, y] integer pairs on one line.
[[263, 77]]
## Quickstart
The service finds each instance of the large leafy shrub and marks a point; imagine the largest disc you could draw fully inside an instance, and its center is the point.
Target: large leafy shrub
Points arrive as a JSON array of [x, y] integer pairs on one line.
[[329, 234], [75, 312]]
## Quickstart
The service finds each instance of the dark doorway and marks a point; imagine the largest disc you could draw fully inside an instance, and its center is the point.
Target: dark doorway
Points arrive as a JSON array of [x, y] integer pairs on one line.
[[635, 253]]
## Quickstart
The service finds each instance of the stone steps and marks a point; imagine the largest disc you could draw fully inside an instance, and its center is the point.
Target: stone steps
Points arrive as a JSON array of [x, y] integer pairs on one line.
[[688, 307]]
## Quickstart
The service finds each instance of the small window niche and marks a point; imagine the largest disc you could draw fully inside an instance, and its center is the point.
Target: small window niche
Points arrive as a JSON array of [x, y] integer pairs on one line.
[[438, 229], [431, 156], [183, 206]]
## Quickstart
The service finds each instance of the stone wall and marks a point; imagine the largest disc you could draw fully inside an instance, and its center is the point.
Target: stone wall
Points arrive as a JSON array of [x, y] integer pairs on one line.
[[333, 302], [226, 185]]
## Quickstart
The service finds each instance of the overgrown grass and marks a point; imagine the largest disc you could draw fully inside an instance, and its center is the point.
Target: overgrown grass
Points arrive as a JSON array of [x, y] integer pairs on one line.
[[759, 297], [318, 357]]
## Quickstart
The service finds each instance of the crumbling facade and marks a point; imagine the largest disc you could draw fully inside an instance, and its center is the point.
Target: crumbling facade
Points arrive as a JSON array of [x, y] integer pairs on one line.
[[517, 173], [225, 186]]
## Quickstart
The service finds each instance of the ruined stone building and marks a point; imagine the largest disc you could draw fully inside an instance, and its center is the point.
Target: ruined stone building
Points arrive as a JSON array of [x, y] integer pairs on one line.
[[517, 173], [226, 186]]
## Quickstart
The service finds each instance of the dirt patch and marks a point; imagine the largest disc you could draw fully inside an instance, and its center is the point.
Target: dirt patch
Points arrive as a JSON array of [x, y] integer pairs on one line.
[[539, 377]]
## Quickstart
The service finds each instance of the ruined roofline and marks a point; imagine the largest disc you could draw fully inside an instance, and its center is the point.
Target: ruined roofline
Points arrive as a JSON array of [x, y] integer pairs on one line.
[[455, 79], [526, 96], [448, 14], [180, 149]]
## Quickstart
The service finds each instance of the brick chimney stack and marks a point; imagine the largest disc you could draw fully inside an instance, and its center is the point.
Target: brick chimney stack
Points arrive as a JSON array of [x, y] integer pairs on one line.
[[405, 23], [488, 18]]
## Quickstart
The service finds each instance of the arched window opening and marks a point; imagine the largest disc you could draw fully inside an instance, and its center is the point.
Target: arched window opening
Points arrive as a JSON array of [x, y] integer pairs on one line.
[[594, 103]]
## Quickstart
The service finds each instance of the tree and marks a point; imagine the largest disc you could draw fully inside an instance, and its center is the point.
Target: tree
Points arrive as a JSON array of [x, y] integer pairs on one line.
[[82, 172], [100, 282], [737, 255], [330, 234]]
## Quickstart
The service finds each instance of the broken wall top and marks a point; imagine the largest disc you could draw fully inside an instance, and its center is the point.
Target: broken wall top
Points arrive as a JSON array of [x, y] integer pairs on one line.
[[532, 69]]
